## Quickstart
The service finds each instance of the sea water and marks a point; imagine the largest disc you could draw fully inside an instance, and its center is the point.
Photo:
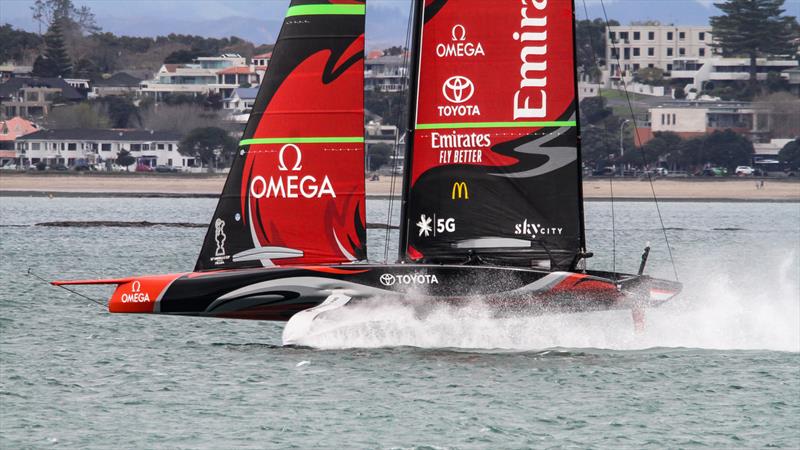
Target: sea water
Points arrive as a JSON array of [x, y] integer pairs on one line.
[[717, 368]]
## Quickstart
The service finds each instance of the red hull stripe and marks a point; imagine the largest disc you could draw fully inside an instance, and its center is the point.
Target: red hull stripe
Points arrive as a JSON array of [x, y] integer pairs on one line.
[[319, 10], [303, 140]]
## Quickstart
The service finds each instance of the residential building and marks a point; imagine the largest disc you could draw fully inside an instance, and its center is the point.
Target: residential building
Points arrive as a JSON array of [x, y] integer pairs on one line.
[[10, 70], [199, 77], [13, 128], [697, 72], [260, 62], [233, 77], [97, 146], [697, 118], [120, 83], [33, 97], [386, 73], [239, 104], [793, 77], [635, 47]]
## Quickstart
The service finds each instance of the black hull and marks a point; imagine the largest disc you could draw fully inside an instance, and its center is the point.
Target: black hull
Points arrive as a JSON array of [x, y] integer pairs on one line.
[[279, 293]]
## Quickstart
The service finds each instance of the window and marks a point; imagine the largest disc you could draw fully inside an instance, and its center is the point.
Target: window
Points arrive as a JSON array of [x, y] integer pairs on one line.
[[651, 65], [169, 162], [35, 146], [145, 146], [612, 35], [636, 67], [669, 67], [627, 53], [651, 51], [674, 121], [105, 147], [169, 147], [682, 35], [63, 146], [136, 147], [636, 51], [651, 36], [682, 51], [160, 146], [623, 35], [702, 36], [702, 52], [662, 118], [637, 35], [669, 52], [669, 35], [615, 53]]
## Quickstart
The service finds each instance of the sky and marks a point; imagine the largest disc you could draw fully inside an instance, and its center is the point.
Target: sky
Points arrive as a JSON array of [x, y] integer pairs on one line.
[[259, 20]]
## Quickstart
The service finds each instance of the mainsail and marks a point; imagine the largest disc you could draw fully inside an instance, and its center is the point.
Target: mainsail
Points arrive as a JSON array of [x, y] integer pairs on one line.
[[494, 161], [295, 193]]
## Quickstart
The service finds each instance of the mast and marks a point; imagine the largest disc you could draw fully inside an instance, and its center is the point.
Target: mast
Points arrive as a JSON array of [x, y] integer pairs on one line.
[[578, 131], [413, 89]]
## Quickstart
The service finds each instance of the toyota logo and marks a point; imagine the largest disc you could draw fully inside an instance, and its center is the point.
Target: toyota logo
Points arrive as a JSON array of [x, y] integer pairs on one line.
[[458, 89], [387, 279]]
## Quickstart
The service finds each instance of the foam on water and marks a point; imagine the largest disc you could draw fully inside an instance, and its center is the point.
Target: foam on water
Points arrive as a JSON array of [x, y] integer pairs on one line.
[[714, 312]]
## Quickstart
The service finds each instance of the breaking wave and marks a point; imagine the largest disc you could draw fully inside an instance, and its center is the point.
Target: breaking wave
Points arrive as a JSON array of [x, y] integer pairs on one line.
[[715, 311]]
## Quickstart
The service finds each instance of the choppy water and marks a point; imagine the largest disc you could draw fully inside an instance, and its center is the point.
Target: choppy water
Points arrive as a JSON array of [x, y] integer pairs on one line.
[[719, 368]]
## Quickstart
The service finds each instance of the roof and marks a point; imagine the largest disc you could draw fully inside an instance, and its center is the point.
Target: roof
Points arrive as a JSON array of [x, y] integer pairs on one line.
[[245, 93], [13, 85], [15, 127], [263, 55], [172, 67], [119, 79], [241, 70], [373, 54], [82, 134]]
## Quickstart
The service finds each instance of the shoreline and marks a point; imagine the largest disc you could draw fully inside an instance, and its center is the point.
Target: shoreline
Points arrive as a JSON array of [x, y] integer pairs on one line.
[[210, 186]]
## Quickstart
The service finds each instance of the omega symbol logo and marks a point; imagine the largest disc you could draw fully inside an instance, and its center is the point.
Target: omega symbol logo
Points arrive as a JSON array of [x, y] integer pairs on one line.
[[458, 89], [136, 287], [387, 279], [459, 33], [298, 158]]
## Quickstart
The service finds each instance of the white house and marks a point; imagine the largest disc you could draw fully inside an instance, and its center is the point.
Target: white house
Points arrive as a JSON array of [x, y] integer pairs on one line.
[[96, 146], [199, 77]]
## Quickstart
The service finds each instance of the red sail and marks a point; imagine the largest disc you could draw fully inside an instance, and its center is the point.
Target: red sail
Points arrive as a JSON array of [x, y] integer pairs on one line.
[[296, 191], [494, 162]]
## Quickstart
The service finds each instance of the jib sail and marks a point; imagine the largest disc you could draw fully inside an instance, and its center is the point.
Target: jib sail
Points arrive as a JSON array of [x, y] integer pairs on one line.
[[295, 193], [495, 167]]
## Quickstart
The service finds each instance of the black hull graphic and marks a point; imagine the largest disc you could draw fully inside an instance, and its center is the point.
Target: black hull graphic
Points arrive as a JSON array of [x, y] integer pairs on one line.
[[279, 293]]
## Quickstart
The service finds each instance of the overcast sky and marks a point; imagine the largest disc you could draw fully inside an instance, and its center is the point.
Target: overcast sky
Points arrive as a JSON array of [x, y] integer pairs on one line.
[[259, 20]]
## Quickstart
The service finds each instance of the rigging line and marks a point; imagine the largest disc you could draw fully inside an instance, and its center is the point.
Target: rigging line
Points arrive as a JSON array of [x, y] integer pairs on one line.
[[393, 177], [610, 179], [93, 300], [638, 143]]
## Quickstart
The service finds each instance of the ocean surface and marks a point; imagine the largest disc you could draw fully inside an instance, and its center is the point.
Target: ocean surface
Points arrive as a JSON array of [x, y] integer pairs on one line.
[[717, 368]]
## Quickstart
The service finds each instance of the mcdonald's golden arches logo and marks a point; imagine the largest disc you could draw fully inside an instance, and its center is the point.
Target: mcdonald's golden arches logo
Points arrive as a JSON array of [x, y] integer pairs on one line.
[[460, 191]]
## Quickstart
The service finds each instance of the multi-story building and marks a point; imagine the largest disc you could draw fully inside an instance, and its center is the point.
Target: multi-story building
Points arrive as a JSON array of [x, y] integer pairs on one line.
[[697, 118], [385, 73], [199, 77], [697, 72], [10, 70], [34, 97], [633, 47], [68, 147], [233, 77], [239, 104], [120, 83]]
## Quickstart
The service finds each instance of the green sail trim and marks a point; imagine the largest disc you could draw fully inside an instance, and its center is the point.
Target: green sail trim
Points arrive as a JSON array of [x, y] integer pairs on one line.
[[557, 123], [303, 140], [322, 10]]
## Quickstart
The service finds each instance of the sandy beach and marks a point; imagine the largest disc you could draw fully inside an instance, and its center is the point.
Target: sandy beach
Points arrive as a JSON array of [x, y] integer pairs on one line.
[[210, 186]]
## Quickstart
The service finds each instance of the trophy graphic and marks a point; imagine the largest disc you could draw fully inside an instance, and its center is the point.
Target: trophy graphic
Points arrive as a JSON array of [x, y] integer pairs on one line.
[[219, 225]]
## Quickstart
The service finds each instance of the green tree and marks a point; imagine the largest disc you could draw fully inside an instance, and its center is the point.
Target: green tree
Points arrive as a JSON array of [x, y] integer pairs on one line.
[[82, 115], [590, 36], [663, 147], [790, 154], [209, 143], [649, 75], [594, 110], [55, 52], [754, 28], [44, 67], [46, 12], [393, 51], [121, 111], [379, 156], [16, 44], [728, 149], [124, 158]]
